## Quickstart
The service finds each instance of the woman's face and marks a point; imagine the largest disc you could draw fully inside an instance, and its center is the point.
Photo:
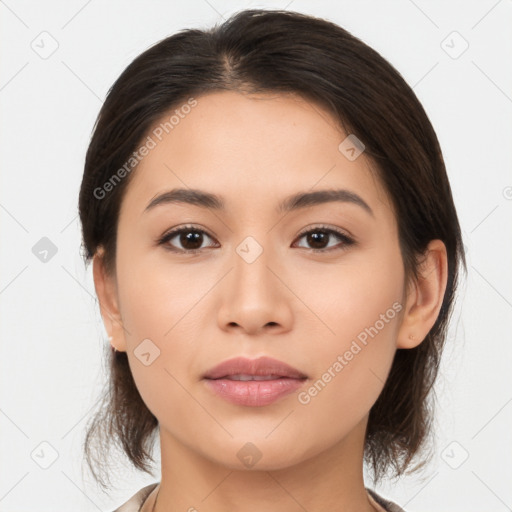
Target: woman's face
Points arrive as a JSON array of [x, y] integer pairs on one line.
[[256, 287]]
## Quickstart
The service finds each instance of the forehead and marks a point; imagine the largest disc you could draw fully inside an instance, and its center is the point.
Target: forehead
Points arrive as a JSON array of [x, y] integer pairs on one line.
[[250, 148]]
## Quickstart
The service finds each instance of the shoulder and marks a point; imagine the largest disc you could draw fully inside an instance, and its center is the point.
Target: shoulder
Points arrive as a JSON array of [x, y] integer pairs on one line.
[[389, 506], [136, 501]]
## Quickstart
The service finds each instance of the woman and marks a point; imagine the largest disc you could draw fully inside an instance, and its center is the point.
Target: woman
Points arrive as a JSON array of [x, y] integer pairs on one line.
[[275, 251]]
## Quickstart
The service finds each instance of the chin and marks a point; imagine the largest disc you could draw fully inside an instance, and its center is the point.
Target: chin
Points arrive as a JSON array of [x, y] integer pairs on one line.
[[261, 454]]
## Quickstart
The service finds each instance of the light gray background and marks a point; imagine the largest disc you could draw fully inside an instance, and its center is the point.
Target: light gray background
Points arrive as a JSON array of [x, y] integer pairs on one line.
[[51, 330]]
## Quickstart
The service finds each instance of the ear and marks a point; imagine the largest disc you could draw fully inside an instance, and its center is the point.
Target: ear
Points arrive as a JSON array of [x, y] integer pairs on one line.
[[106, 290], [425, 296]]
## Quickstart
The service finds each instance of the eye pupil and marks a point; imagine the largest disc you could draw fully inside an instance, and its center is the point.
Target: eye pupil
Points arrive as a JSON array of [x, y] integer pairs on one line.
[[316, 236], [191, 236]]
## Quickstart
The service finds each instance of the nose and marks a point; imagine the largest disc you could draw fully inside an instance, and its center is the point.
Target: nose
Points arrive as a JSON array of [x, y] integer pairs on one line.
[[255, 299]]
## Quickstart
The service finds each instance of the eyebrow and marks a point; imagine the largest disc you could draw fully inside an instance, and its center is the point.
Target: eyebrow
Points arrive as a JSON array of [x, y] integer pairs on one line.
[[295, 202]]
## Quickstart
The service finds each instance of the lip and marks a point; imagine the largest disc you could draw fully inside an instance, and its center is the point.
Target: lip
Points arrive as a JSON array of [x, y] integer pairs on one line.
[[284, 379], [263, 366]]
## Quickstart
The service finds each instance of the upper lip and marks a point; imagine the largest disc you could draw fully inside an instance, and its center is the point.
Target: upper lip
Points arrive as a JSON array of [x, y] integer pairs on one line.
[[261, 366]]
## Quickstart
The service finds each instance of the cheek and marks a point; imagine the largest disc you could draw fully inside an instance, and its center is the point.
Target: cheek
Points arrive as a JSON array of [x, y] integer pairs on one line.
[[158, 309], [350, 371], [156, 295], [346, 298], [355, 341]]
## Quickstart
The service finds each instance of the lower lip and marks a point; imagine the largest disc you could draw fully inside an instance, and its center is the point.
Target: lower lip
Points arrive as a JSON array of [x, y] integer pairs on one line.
[[254, 393]]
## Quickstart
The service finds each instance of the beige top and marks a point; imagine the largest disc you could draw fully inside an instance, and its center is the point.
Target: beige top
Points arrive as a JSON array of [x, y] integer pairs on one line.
[[135, 503]]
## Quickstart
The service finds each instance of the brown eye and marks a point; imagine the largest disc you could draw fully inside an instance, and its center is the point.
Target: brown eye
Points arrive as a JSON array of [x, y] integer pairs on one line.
[[319, 238], [190, 239]]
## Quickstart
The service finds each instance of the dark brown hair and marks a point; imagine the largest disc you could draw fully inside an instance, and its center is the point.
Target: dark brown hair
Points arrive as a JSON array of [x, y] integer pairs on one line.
[[259, 51]]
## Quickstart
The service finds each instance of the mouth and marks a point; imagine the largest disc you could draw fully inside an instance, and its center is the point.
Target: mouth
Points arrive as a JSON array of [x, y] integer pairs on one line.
[[265, 367], [253, 382], [246, 377]]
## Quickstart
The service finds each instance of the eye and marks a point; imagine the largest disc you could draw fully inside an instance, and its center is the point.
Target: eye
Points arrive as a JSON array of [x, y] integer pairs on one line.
[[190, 238], [320, 236]]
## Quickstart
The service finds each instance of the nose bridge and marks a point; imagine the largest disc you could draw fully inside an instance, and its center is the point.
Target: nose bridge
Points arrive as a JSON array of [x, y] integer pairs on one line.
[[251, 260], [255, 296]]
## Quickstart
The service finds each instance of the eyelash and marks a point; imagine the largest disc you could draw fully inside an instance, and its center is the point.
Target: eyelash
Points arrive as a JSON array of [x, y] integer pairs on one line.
[[347, 241]]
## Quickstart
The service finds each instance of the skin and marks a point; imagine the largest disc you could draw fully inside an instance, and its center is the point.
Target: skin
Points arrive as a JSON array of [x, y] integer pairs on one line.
[[292, 304]]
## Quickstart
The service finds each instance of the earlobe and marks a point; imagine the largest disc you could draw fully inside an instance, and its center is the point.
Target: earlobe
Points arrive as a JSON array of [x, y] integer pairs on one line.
[[106, 290], [425, 296]]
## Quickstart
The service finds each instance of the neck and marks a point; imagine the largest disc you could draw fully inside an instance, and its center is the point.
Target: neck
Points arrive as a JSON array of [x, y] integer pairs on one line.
[[330, 480]]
